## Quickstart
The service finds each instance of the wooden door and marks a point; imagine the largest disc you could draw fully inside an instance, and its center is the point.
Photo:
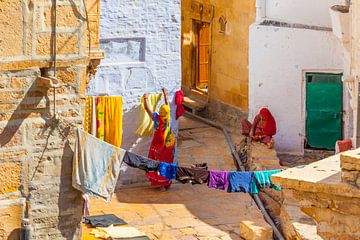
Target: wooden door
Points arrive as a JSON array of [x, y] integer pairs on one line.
[[202, 39]]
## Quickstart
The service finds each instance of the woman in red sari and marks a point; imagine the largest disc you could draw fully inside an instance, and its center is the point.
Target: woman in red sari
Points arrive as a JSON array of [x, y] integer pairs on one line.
[[163, 142], [263, 128]]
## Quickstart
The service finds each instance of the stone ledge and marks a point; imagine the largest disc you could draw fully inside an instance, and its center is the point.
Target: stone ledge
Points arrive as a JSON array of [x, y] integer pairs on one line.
[[320, 177]]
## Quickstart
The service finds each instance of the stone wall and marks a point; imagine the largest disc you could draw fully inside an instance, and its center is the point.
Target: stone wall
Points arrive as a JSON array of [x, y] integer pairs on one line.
[[35, 149], [141, 41]]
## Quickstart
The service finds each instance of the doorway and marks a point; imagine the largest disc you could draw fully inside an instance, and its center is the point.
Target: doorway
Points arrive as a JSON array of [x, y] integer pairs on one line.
[[201, 56], [324, 110]]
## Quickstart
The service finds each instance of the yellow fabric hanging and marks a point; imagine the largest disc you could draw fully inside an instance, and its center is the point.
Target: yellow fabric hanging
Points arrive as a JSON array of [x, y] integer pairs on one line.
[[100, 117], [103, 116], [88, 114], [113, 120], [147, 124]]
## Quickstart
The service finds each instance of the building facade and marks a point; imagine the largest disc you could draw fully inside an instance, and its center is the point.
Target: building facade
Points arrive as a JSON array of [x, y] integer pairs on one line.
[[292, 52], [38, 115], [215, 43]]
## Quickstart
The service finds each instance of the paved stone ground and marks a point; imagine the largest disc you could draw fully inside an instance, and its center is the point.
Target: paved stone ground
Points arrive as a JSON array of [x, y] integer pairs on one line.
[[186, 211]]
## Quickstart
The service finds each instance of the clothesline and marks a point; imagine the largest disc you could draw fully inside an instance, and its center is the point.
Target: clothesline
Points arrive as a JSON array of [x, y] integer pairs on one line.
[[96, 168]]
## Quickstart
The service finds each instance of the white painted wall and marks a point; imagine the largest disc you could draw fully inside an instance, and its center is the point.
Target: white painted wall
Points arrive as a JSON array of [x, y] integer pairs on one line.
[[279, 58], [307, 12], [141, 40]]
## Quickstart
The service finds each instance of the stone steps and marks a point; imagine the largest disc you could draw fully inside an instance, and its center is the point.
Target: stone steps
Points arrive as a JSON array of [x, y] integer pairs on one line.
[[194, 104]]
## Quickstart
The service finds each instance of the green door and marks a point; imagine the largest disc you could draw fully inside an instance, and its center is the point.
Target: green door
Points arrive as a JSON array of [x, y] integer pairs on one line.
[[324, 94]]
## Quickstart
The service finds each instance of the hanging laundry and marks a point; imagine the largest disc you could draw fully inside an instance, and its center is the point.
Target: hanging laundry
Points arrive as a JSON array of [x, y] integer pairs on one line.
[[93, 116], [240, 181], [262, 179], [96, 166], [168, 170], [141, 162], [179, 99], [109, 119], [113, 120], [146, 126], [218, 179], [192, 175]]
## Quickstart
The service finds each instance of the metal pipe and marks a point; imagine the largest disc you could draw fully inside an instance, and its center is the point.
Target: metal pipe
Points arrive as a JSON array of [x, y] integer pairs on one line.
[[240, 166]]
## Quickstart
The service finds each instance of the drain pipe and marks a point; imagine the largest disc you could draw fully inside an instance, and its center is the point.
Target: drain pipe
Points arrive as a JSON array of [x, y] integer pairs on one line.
[[240, 167]]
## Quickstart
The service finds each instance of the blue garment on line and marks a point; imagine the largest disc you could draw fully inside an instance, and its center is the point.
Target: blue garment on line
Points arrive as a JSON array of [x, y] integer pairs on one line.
[[240, 181], [263, 178], [168, 170]]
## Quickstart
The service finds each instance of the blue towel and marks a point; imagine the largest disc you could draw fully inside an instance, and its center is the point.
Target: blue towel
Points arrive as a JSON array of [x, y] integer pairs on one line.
[[240, 181], [168, 170], [263, 178]]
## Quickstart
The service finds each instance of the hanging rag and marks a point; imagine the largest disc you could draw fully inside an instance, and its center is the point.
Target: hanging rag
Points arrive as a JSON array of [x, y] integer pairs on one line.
[[104, 220], [141, 162], [146, 126], [262, 179], [240, 181], [117, 232], [218, 179], [100, 117], [179, 99], [168, 170], [93, 116], [192, 175], [96, 166]]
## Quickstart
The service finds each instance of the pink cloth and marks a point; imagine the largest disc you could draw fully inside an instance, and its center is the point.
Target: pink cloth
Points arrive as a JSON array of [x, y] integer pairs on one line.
[[179, 99]]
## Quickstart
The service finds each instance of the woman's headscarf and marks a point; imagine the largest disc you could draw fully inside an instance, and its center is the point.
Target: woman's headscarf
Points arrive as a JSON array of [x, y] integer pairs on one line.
[[269, 122], [164, 113]]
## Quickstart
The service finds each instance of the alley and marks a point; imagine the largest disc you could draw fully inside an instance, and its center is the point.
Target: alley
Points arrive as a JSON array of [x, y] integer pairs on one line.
[[186, 211]]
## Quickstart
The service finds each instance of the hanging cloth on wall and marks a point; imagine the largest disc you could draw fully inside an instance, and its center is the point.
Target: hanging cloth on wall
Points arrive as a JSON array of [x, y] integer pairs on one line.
[[179, 99], [113, 120], [146, 126], [103, 118], [96, 166]]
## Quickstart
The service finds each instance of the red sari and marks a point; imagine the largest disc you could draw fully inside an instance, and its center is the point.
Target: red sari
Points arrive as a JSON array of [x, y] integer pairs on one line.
[[264, 126], [161, 149]]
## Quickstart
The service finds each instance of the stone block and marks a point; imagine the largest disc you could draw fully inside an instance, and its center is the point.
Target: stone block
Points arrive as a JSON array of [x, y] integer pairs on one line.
[[66, 43], [10, 219], [349, 176], [19, 82], [11, 28], [7, 96], [10, 177], [66, 16], [250, 231]]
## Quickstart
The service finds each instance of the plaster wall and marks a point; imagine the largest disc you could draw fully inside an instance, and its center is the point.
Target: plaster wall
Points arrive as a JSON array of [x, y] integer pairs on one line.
[[279, 59], [141, 41], [301, 11]]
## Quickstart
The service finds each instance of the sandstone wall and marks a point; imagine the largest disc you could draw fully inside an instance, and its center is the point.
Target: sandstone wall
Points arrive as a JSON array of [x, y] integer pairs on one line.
[[36, 151]]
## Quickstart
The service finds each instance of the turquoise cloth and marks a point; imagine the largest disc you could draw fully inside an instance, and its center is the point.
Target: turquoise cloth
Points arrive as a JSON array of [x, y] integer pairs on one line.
[[263, 178]]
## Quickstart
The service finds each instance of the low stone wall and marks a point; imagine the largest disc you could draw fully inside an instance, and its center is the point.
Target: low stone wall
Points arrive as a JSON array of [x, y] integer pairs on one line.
[[225, 114], [350, 167], [325, 197]]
